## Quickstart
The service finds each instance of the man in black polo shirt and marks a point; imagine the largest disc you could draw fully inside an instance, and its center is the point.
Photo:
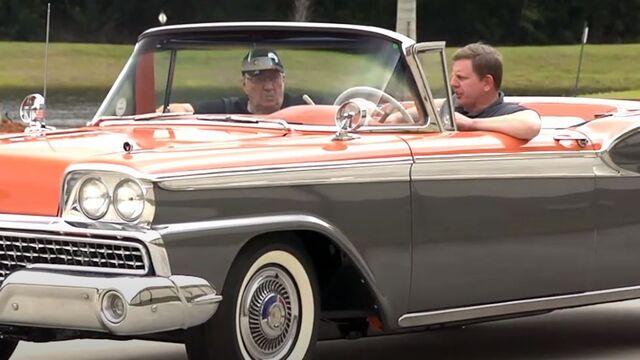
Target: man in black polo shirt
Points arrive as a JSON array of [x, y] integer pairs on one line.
[[476, 76], [263, 82]]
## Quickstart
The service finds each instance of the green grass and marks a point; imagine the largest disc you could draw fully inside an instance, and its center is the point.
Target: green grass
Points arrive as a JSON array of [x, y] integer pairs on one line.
[[629, 94], [552, 70], [607, 70], [72, 67]]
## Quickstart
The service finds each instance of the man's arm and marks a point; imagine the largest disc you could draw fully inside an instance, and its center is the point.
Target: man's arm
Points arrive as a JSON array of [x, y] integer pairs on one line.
[[523, 124]]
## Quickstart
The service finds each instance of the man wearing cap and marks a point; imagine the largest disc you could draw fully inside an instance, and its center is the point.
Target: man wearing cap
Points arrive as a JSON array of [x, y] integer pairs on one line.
[[263, 82]]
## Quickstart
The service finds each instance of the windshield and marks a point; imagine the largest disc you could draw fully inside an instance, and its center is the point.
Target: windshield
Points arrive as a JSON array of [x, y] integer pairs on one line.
[[201, 70]]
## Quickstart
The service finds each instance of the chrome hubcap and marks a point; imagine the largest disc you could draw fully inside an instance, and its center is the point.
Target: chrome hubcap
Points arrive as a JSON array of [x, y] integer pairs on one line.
[[269, 314]]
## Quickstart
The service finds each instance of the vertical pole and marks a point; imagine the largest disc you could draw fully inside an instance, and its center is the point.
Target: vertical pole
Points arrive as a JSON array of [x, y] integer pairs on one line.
[[46, 53], [406, 18], [585, 34]]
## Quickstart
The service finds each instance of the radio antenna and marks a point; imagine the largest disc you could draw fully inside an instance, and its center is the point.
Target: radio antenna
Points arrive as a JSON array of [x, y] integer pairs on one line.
[[46, 53]]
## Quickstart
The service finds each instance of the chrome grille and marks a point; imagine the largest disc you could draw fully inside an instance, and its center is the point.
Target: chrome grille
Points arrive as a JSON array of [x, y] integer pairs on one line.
[[20, 250]]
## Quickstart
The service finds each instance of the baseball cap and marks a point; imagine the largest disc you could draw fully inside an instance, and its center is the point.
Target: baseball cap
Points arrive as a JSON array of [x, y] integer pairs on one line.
[[258, 60]]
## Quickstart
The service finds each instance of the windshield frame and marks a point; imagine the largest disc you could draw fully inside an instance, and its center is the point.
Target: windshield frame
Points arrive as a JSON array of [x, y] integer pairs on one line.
[[292, 30]]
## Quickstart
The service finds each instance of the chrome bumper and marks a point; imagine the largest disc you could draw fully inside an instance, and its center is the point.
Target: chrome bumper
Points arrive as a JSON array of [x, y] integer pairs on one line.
[[75, 301]]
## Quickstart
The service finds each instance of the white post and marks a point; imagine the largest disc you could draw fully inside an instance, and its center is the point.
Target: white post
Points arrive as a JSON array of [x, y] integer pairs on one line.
[[301, 10], [406, 18]]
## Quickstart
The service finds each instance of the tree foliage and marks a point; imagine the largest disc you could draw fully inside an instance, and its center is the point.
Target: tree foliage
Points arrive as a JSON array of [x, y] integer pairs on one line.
[[499, 22]]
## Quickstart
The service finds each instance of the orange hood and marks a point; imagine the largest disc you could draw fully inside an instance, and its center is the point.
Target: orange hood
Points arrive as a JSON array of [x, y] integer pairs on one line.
[[33, 167]]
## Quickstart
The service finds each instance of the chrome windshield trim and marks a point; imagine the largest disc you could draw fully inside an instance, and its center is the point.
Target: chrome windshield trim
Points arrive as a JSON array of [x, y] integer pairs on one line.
[[57, 227], [268, 124], [278, 25], [113, 90], [519, 306]]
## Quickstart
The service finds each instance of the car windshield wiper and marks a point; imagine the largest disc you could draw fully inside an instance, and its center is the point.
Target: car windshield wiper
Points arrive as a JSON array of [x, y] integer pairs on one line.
[[156, 115], [142, 117], [222, 118], [245, 120]]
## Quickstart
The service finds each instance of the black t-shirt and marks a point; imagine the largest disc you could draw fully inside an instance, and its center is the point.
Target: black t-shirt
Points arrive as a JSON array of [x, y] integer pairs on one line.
[[238, 105], [497, 108]]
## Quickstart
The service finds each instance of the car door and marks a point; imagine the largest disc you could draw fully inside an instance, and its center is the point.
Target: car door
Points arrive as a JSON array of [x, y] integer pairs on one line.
[[495, 218], [616, 264]]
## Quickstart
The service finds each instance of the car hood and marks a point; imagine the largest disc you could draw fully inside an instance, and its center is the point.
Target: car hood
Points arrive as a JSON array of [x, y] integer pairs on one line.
[[34, 166]]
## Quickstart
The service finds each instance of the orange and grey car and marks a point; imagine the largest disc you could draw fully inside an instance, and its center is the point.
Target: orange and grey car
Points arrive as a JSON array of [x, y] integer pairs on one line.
[[242, 234]]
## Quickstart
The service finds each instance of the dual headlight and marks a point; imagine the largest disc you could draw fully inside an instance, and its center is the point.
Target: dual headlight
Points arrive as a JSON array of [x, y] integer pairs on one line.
[[107, 196]]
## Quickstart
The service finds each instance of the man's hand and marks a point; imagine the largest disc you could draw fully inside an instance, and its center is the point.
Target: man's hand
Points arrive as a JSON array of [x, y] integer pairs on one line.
[[464, 123], [177, 107], [391, 115]]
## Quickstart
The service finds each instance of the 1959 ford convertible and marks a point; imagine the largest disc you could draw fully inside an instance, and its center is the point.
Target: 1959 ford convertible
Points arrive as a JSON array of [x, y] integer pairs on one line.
[[252, 236]]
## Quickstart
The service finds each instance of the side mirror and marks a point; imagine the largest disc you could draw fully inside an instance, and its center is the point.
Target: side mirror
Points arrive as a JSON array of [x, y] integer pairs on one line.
[[351, 116], [32, 111]]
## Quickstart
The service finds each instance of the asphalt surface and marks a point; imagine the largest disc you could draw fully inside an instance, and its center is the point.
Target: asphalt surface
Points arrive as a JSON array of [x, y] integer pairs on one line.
[[609, 331]]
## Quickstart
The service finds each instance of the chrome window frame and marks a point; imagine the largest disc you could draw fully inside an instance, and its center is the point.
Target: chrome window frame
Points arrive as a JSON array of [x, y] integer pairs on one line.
[[416, 51]]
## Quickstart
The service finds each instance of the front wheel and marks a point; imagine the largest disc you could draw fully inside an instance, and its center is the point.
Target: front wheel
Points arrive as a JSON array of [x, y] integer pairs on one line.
[[269, 310]]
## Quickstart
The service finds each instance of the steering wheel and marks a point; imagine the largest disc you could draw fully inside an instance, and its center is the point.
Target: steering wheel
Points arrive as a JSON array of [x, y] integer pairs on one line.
[[374, 93]]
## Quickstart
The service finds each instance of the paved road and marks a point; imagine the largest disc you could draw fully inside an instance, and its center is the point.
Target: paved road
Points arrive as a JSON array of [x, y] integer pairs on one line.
[[602, 332]]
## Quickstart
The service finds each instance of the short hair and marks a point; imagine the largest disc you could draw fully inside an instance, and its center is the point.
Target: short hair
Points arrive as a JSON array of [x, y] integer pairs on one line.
[[485, 60]]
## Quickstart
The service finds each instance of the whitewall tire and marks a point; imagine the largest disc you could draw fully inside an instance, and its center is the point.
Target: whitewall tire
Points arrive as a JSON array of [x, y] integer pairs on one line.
[[269, 310]]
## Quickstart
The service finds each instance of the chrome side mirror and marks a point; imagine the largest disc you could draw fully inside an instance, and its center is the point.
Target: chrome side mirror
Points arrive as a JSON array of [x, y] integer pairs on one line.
[[351, 116], [32, 113], [32, 109]]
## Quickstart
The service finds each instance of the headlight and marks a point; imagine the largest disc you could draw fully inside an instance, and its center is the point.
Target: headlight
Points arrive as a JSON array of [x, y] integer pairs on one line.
[[93, 198], [128, 200]]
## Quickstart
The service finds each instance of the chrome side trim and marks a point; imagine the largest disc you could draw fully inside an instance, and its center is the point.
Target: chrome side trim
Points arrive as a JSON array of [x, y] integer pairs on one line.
[[520, 306], [152, 304], [606, 151], [518, 155], [57, 227], [611, 142], [294, 176], [108, 168], [492, 166], [287, 167], [286, 222]]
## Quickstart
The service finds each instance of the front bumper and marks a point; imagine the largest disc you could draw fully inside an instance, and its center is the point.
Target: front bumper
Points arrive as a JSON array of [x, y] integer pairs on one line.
[[53, 299]]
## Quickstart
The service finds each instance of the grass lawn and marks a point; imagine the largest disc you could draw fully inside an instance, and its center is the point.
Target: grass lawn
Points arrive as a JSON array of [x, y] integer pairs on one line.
[[72, 67], [607, 70], [552, 70], [629, 94]]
